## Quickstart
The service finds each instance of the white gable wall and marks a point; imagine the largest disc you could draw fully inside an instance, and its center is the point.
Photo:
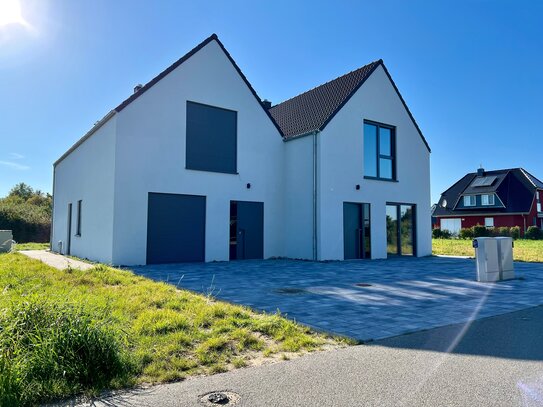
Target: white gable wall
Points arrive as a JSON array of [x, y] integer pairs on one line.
[[342, 168], [87, 174], [150, 157]]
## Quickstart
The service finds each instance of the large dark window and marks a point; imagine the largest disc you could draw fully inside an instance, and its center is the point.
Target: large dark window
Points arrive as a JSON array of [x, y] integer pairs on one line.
[[401, 234], [379, 151], [211, 138]]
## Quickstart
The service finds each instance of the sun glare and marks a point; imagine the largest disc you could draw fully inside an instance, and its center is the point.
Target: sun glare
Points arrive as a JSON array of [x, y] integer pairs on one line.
[[10, 13]]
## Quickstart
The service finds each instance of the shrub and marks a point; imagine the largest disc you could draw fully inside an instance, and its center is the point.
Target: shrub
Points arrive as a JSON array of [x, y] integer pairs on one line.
[[27, 213], [533, 233], [51, 351], [480, 231], [515, 232], [466, 233], [441, 234], [504, 231]]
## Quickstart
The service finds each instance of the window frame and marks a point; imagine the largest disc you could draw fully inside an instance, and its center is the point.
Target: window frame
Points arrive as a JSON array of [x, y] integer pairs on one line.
[[393, 157], [470, 198], [491, 200], [78, 224], [489, 226]]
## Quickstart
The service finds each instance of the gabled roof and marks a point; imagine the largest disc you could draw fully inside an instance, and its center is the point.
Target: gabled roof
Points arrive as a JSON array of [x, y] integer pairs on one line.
[[514, 186], [212, 37], [314, 109], [156, 79]]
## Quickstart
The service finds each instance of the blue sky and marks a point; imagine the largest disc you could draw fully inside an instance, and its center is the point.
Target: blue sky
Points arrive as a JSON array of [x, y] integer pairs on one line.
[[470, 71]]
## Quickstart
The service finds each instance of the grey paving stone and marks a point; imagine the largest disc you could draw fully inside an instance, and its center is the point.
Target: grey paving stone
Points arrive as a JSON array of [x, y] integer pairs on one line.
[[406, 294]]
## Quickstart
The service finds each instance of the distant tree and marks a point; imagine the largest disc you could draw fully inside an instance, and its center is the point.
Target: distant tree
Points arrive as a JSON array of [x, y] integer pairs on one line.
[[22, 190], [27, 212]]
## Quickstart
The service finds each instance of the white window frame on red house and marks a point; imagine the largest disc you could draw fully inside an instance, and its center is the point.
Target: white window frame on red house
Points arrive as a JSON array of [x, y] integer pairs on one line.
[[489, 222], [470, 200], [487, 199]]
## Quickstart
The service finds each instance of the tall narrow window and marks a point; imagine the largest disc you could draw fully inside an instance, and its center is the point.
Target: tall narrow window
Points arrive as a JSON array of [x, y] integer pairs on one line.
[[379, 151], [78, 228]]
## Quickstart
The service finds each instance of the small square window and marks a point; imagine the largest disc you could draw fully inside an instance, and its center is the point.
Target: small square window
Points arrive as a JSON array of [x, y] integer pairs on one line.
[[487, 200], [489, 222], [469, 200]]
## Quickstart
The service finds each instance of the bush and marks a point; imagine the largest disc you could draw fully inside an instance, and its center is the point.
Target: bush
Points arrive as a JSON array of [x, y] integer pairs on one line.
[[466, 233], [26, 212], [515, 232], [51, 351], [503, 231], [533, 233], [441, 234], [480, 231]]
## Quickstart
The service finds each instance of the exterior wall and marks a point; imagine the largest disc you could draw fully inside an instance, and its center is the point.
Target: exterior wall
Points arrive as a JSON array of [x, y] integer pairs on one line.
[[342, 168], [150, 157], [87, 174], [298, 198]]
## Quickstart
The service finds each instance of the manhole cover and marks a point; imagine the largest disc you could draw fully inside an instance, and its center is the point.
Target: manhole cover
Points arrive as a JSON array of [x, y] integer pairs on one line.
[[220, 398], [363, 285], [290, 291]]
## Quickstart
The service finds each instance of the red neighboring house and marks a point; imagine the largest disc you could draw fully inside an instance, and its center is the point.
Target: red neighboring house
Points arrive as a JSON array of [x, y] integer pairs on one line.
[[511, 197]]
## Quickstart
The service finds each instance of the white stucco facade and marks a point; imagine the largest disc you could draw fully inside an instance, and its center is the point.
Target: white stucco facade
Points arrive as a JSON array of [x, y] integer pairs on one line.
[[341, 158], [302, 182]]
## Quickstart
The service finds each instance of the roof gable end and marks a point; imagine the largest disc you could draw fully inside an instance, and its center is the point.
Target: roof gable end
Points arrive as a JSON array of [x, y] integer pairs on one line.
[[313, 110], [184, 58]]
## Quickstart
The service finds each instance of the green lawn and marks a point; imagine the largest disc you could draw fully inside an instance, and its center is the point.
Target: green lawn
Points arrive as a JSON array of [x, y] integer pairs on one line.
[[31, 246], [524, 250], [67, 332]]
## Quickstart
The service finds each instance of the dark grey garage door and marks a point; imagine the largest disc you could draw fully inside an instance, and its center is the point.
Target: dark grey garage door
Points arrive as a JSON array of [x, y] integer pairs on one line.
[[175, 228]]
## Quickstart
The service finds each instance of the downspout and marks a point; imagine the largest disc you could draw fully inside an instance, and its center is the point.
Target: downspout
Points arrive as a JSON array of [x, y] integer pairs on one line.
[[315, 192]]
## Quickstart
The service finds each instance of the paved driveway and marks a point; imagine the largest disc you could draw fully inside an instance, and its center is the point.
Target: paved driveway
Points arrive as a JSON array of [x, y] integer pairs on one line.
[[404, 295]]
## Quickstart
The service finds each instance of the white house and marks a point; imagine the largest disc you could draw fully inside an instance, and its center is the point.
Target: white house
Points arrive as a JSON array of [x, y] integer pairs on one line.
[[195, 167]]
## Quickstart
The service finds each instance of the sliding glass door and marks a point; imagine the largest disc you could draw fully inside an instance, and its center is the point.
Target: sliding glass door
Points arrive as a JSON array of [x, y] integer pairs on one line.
[[400, 220]]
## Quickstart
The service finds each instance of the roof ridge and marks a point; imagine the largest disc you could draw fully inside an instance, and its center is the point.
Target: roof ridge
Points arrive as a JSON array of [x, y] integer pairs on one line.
[[332, 80], [166, 71]]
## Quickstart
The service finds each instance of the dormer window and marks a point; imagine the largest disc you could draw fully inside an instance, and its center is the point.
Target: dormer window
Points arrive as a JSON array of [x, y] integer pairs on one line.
[[487, 200], [469, 200]]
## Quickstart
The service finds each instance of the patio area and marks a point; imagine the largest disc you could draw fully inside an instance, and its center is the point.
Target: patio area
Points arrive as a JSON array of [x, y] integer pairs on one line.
[[365, 300]]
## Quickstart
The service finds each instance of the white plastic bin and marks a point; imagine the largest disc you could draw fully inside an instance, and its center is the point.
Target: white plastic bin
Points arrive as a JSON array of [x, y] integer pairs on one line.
[[505, 258], [486, 256]]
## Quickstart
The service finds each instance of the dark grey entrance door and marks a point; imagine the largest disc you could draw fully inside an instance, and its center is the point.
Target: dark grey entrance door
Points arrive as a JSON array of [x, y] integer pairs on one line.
[[246, 230], [356, 231], [175, 228]]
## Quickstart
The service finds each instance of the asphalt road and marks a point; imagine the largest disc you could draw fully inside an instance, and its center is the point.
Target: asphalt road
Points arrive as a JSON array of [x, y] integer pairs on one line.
[[492, 362]]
